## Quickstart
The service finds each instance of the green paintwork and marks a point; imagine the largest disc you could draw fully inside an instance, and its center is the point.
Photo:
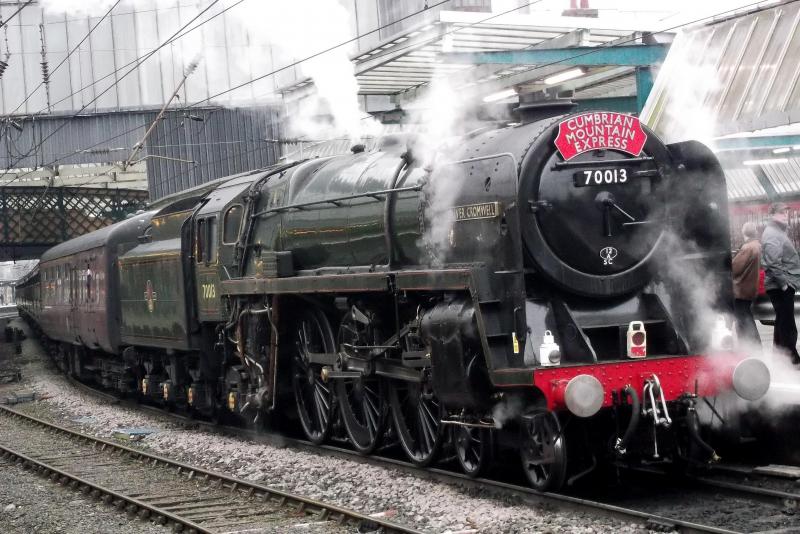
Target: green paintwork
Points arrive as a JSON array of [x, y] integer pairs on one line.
[[632, 55], [756, 141], [352, 233], [620, 104], [209, 274], [644, 84], [208, 293], [162, 322]]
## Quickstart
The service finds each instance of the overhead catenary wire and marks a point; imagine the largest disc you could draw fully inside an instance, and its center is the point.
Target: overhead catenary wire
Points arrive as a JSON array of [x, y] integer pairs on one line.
[[139, 60], [339, 45], [66, 58], [143, 57], [89, 17], [394, 50], [175, 37], [15, 13], [138, 63], [493, 16]]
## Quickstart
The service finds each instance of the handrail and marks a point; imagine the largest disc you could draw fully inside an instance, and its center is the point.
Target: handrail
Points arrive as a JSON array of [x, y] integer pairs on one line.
[[337, 200]]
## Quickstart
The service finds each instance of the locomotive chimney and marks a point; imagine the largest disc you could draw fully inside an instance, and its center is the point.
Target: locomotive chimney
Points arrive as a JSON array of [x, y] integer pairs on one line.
[[541, 105]]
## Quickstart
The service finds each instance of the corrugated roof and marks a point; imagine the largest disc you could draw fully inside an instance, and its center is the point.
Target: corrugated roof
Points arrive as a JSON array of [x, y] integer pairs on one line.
[[743, 184], [410, 59], [740, 74]]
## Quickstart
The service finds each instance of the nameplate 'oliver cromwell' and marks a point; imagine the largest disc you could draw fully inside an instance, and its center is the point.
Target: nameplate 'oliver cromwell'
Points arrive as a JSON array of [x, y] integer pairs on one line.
[[487, 210]]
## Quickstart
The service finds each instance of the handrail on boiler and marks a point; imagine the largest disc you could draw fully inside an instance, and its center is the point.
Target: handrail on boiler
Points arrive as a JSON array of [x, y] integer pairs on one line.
[[337, 200]]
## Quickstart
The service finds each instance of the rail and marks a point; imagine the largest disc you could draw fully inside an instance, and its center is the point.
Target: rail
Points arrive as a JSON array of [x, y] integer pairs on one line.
[[528, 495], [321, 510]]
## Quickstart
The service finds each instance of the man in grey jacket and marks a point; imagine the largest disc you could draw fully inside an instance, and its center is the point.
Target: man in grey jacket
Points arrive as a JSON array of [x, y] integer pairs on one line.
[[782, 277]]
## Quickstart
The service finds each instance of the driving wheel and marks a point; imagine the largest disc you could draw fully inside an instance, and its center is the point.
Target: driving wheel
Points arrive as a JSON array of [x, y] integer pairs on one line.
[[313, 396], [417, 415]]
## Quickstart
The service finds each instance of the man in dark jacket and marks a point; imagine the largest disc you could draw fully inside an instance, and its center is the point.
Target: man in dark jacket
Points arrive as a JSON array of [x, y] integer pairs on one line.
[[746, 265], [782, 267]]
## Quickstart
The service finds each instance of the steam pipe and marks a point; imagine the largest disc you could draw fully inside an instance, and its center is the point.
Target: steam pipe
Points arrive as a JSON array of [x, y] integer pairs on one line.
[[621, 444], [388, 212], [693, 426]]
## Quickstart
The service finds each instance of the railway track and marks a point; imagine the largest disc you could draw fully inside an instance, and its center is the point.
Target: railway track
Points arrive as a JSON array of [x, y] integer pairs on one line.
[[187, 498], [654, 518], [651, 521]]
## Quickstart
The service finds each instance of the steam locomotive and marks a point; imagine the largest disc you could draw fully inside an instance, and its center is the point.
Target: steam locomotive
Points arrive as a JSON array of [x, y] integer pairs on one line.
[[534, 288]]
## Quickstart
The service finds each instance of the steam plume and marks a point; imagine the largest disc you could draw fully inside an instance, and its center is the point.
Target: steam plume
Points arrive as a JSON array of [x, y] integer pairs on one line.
[[254, 31]]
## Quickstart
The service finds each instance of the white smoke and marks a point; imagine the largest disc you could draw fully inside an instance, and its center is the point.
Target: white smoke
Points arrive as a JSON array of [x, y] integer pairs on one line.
[[699, 289], [440, 114], [89, 8], [303, 28], [258, 34], [508, 409], [686, 113]]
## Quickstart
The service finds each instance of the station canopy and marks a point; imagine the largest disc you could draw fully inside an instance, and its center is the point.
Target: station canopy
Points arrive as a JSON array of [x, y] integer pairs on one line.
[[410, 59], [734, 84]]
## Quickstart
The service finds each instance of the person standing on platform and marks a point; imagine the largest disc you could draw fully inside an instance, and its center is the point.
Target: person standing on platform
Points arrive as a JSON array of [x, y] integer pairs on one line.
[[746, 265], [782, 268]]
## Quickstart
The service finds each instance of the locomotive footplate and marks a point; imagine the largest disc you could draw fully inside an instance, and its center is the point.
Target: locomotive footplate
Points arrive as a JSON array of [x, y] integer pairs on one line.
[[701, 375]]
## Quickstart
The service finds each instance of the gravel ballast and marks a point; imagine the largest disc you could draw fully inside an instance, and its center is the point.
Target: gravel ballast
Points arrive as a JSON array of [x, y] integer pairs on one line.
[[29, 503], [427, 505]]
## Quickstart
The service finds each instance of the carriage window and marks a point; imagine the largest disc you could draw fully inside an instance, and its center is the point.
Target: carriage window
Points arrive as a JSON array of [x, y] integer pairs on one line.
[[61, 284], [212, 240], [233, 219], [200, 239], [88, 284]]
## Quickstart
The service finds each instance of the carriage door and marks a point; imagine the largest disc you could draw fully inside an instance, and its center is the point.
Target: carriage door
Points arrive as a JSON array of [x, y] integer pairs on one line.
[[206, 259], [71, 282], [90, 299]]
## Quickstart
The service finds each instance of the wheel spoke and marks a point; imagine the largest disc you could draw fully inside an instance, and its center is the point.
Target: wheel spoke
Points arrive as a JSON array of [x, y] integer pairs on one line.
[[321, 398], [320, 386], [320, 416], [427, 431], [361, 402], [543, 453], [430, 418], [312, 396], [371, 423], [303, 339], [477, 455], [370, 403]]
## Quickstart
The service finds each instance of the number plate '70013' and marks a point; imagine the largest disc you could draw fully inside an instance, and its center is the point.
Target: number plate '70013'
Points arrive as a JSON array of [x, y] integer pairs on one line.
[[601, 177]]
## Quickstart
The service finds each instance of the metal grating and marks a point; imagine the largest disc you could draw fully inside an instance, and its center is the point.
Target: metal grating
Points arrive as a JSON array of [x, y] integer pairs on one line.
[[187, 148], [32, 220], [98, 138], [184, 152]]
